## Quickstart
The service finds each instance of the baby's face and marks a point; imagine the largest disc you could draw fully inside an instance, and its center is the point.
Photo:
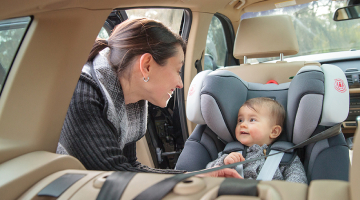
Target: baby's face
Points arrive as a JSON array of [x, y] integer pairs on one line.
[[254, 127]]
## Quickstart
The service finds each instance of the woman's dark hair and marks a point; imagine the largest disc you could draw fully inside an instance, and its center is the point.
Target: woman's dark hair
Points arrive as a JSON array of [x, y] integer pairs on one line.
[[135, 37]]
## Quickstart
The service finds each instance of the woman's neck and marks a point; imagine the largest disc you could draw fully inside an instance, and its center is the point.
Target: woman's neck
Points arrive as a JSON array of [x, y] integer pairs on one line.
[[131, 90]]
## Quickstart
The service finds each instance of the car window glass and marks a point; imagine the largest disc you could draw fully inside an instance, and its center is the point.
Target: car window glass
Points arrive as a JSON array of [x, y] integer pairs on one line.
[[11, 34], [215, 51], [103, 34], [169, 17], [315, 28]]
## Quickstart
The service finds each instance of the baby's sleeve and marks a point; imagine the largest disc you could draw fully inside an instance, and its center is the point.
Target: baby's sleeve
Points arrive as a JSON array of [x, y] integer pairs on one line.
[[218, 161], [295, 172]]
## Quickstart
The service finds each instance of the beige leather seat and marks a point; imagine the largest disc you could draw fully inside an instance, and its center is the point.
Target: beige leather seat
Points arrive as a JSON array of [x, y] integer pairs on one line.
[[257, 38]]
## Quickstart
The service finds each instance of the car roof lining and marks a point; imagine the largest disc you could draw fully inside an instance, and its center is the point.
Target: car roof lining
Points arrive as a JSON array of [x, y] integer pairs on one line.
[[31, 7]]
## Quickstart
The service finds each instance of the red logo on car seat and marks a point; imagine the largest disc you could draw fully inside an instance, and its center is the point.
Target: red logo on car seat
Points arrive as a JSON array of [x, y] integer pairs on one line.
[[340, 85], [192, 90]]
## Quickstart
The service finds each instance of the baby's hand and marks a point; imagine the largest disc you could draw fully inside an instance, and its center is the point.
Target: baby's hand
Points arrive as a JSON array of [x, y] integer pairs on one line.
[[233, 158]]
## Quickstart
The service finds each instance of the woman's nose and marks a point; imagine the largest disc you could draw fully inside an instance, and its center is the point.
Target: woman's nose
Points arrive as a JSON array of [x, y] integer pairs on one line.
[[180, 84]]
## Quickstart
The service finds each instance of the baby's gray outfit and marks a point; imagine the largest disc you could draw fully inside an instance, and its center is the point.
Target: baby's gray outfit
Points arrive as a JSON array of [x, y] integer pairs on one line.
[[293, 172]]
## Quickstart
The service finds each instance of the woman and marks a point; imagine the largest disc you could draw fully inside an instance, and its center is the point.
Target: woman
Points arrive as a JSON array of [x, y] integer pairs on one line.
[[141, 61]]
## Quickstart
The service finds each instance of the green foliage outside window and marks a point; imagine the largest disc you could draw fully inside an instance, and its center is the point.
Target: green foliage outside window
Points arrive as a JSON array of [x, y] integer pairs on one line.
[[11, 34], [216, 48], [315, 28]]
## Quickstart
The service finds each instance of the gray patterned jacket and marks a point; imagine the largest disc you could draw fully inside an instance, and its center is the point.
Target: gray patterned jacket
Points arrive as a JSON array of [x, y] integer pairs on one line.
[[294, 172]]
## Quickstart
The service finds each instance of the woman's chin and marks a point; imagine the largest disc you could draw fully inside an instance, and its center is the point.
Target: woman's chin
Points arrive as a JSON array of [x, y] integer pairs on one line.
[[167, 101], [161, 104]]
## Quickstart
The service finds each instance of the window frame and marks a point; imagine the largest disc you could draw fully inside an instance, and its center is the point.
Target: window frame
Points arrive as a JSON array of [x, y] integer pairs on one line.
[[229, 38]]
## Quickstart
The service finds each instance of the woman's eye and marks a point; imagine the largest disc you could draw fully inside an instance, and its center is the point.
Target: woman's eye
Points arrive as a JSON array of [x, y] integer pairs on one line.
[[179, 72]]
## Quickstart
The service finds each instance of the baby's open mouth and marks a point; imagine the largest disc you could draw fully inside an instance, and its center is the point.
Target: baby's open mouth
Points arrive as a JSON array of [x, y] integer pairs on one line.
[[243, 132]]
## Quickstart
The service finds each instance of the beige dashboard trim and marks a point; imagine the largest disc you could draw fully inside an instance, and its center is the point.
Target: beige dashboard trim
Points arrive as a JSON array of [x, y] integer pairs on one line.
[[354, 90], [347, 126]]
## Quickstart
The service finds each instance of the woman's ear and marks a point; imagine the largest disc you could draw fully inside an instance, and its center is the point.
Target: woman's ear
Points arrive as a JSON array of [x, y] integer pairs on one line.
[[275, 131], [145, 63]]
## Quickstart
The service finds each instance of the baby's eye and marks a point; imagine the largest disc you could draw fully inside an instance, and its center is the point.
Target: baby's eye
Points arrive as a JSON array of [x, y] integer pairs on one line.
[[240, 120], [252, 120], [180, 73]]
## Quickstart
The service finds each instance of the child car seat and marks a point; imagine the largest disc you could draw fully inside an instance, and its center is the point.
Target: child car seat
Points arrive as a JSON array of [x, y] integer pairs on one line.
[[316, 99]]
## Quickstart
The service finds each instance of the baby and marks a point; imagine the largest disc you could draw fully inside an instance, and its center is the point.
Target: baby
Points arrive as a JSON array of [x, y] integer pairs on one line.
[[260, 122]]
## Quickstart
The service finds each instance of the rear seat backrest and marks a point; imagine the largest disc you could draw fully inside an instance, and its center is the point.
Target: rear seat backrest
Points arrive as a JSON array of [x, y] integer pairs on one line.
[[257, 38]]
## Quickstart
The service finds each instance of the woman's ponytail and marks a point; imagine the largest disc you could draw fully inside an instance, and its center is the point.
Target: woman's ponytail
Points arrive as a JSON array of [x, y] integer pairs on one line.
[[99, 45]]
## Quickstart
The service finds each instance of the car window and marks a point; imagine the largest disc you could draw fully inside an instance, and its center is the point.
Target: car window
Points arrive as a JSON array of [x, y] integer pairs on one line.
[[216, 48], [315, 28], [103, 33], [11, 34], [169, 17]]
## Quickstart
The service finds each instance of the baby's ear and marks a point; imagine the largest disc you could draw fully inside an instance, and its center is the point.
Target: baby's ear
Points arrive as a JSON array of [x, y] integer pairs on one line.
[[275, 131]]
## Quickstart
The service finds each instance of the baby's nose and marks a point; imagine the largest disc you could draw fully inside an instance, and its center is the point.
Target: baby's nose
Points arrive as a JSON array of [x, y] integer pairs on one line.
[[243, 124]]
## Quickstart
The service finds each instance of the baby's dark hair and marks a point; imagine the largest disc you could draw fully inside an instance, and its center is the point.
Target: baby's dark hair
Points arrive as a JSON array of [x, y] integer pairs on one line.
[[275, 108]]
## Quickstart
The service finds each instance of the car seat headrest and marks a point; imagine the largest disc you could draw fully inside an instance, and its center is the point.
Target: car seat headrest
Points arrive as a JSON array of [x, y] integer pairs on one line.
[[315, 96], [193, 111], [209, 102], [257, 37]]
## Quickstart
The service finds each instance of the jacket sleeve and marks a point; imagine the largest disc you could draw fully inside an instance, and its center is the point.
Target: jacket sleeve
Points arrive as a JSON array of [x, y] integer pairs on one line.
[[90, 137], [218, 161], [295, 172]]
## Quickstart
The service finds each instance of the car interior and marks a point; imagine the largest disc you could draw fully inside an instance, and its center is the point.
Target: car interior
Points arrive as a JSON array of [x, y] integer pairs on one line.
[[259, 53]]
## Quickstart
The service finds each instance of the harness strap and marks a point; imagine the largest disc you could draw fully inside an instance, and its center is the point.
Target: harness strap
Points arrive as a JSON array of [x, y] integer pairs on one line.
[[162, 188], [271, 164], [240, 168], [198, 66], [115, 185], [60, 185]]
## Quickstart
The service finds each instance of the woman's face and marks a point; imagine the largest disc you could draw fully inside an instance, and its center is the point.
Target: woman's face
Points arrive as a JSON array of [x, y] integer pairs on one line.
[[165, 79]]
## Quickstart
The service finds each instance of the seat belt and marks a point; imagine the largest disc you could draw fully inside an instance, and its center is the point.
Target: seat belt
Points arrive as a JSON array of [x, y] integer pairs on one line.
[[198, 66], [115, 185], [162, 188], [271, 164], [240, 168], [59, 186]]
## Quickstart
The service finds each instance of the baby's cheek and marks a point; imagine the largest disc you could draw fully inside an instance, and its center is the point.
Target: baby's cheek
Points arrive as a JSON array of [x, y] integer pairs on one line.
[[256, 134]]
